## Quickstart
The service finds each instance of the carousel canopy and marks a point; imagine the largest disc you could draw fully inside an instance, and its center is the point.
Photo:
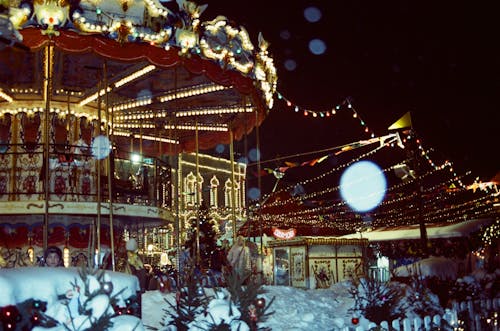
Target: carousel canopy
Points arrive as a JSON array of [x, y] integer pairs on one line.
[[157, 74]]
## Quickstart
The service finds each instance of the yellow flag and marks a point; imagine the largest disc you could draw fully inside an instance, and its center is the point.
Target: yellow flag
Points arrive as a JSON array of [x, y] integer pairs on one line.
[[403, 122]]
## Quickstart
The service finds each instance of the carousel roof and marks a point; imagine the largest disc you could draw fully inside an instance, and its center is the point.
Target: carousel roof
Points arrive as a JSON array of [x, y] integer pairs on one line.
[[155, 72]]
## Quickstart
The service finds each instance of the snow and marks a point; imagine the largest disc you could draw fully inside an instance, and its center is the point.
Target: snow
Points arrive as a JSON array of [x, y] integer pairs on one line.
[[293, 309], [20, 284], [440, 267], [462, 229]]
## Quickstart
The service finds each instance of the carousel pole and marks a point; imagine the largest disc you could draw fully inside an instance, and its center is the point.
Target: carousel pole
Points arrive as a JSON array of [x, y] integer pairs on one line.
[[97, 252], [233, 181], [110, 167], [46, 181], [259, 179], [197, 197]]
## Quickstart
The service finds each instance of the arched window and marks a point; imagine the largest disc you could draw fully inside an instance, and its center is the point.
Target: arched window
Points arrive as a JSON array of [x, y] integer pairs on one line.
[[189, 189], [214, 187], [228, 197]]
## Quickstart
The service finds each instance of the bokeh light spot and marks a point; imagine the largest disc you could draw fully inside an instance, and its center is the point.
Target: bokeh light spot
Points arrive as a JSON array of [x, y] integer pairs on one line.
[[285, 34], [290, 65], [253, 193], [220, 148], [243, 160], [363, 186], [312, 14], [317, 46], [101, 147], [144, 93], [254, 155]]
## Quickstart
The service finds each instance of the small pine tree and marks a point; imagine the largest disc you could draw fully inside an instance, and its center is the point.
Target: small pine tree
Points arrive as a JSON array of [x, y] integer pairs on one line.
[[246, 298], [208, 236], [191, 300], [376, 300]]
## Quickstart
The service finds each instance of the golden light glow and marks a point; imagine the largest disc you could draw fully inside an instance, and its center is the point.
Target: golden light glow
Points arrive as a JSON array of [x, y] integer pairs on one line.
[[146, 137], [31, 254], [193, 91], [66, 257], [133, 104], [215, 111], [221, 128], [5, 96], [119, 83]]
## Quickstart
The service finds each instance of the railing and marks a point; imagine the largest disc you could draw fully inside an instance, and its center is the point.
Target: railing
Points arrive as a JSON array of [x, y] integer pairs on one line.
[[416, 324], [472, 315], [73, 177], [479, 315]]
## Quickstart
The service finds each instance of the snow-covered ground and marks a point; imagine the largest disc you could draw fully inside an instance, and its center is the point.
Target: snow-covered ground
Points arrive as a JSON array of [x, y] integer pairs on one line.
[[293, 309]]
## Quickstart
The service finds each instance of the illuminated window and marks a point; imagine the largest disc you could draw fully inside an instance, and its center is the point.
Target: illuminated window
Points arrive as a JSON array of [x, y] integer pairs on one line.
[[228, 197], [189, 189], [214, 186]]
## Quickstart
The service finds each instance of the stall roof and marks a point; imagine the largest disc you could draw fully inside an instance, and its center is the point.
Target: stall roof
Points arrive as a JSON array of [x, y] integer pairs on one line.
[[461, 229]]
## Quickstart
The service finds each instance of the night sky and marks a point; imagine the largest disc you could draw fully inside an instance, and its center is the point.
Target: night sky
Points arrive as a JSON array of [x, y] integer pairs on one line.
[[438, 60]]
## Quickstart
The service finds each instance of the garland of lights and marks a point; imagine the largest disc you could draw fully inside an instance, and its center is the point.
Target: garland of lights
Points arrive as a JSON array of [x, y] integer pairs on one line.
[[346, 103], [217, 40], [491, 234], [398, 216]]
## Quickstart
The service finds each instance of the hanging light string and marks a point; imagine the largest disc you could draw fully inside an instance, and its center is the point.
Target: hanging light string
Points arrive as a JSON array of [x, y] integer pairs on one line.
[[336, 188], [332, 171], [324, 114], [346, 104], [348, 221]]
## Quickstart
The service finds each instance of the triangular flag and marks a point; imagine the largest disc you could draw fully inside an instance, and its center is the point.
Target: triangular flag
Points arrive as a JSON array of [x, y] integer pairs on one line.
[[291, 164], [323, 158], [403, 122]]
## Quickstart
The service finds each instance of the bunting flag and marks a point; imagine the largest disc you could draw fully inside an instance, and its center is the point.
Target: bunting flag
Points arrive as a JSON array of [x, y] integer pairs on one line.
[[403, 122], [387, 139], [291, 164]]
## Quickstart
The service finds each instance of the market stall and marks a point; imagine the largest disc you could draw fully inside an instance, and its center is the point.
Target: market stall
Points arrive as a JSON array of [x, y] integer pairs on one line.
[[316, 262]]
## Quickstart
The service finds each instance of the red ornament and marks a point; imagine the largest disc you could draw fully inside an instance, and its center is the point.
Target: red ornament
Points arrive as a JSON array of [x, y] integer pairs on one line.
[[355, 320], [260, 303]]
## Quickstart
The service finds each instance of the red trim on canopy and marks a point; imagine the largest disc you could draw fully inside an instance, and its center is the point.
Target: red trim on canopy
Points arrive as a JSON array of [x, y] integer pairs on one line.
[[73, 42]]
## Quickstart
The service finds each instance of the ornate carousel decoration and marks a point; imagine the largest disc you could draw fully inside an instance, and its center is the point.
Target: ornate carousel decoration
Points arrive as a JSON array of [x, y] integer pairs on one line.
[[140, 82]]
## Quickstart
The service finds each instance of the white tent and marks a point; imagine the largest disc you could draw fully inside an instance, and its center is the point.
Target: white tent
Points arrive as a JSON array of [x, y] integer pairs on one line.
[[462, 229]]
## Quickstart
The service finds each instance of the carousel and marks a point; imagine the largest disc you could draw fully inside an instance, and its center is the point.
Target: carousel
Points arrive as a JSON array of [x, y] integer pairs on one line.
[[98, 102]]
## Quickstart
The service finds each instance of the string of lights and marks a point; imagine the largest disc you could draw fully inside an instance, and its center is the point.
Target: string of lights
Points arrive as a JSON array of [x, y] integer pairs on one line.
[[325, 114]]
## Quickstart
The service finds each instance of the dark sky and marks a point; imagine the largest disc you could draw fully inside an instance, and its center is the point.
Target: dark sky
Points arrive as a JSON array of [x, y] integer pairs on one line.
[[437, 59]]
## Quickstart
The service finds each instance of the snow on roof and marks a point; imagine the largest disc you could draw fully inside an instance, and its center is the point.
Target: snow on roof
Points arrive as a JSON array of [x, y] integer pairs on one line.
[[461, 229]]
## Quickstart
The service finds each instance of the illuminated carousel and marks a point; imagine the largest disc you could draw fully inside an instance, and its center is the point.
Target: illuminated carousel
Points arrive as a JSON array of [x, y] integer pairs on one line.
[[98, 100]]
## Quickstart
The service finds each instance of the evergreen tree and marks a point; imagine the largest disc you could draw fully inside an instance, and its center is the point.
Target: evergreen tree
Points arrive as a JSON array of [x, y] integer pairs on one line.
[[208, 236]]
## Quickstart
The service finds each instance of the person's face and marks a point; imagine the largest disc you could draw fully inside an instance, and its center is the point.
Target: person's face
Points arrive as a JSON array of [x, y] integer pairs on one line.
[[52, 260]]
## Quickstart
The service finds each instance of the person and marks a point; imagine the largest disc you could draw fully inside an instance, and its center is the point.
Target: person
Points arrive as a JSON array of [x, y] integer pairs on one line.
[[239, 258], [185, 260], [218, 263], [135, 266], [53, 257]]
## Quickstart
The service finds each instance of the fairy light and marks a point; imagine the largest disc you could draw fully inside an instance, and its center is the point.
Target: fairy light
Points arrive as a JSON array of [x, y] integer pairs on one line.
[[221, 128], [133, 104], [66, 257], [327, 114], [118, 84], [5, 96], [192, 91], [153, 138], [215, 111]]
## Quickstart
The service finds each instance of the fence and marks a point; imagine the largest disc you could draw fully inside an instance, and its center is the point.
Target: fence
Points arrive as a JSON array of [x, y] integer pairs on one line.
[[479, 315], [473, 315]]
